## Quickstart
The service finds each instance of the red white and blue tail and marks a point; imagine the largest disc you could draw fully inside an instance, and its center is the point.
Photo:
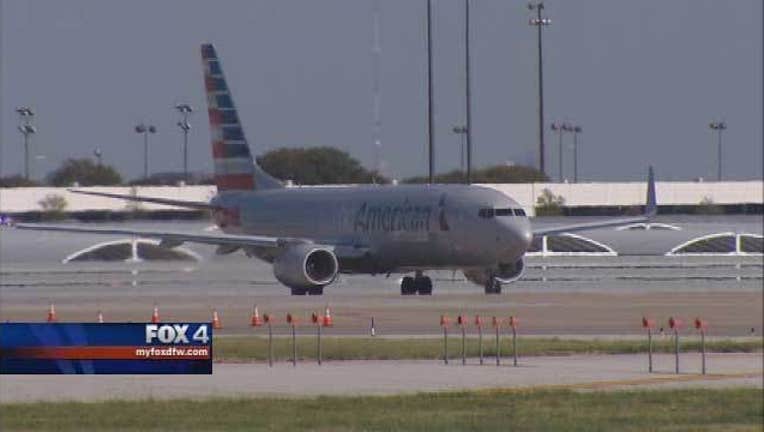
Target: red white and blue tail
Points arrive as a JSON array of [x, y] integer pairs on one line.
[[235, 169]]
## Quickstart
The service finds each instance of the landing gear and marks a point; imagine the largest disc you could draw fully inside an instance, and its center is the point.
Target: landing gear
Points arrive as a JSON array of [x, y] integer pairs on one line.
[[492, 286], [419, 284], [301, 291], [408, 286]]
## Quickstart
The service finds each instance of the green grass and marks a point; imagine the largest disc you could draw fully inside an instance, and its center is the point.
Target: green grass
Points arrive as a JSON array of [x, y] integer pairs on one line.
[[675, 410], [249, 348]]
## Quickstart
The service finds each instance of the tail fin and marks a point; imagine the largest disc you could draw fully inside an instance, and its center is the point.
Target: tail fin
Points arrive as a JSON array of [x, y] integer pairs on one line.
[[235, 169]]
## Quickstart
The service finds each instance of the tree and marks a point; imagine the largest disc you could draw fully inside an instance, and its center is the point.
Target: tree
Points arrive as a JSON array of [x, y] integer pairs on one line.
[[492, 174], [17, 181], [85, 173], [53, 207], [317, 165], [549, 204]]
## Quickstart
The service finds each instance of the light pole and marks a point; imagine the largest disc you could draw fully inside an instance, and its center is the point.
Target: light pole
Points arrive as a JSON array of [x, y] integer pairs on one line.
[[26, 130], [145, 130], [98, 155], [719, 127], [540, 22], [560, 128], [430, 133], [462, 131], [467, 90], [576, 130], [185, 111]]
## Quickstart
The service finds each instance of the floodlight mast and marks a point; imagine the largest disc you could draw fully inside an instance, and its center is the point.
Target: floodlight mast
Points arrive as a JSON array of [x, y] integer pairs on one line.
[[144, 129], [27, 129], [719, 127], [539, 22], [185, 111]]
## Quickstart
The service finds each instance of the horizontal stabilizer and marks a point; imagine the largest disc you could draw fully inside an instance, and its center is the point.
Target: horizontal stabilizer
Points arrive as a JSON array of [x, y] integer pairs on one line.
[[176, 203]]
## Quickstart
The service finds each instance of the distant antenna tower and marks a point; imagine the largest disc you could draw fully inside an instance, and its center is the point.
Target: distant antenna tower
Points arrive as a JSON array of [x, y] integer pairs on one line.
[[376, 50]]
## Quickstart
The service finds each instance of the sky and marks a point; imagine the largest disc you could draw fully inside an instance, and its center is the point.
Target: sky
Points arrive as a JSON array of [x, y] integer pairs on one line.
[[642, 78]]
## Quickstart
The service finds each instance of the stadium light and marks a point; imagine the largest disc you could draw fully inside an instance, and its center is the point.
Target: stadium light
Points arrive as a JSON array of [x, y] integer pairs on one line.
[[27, 129], [145, 130], [539, 22], [185, 111], [719, 127]]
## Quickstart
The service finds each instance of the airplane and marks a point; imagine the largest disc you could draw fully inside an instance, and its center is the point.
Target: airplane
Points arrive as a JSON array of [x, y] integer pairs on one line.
[[310, 235]]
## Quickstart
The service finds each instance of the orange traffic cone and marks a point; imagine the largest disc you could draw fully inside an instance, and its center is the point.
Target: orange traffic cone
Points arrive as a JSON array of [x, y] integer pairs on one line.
[[52, 313], [155, 314], [327, 317], [216, 324], [100, 317], [256, 321]]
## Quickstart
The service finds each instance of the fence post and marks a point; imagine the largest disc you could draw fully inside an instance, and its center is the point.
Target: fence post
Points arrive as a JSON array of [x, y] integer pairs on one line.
[[702, 326], [514, 322], [649, 324], [444, 325], [479, 324], [496, 323]]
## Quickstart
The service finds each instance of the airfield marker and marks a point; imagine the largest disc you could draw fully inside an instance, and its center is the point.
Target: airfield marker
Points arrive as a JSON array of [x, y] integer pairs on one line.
[[513, 323], [649, 324], [317, 321], [52, 313], [675, 324], [461, 320], [444, 324], [495, 322], [155, 314], [702, 326], [267, 319], [293, 323], [479, 324]]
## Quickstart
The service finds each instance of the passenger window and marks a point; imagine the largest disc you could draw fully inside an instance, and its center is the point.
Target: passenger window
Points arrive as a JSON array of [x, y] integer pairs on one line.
[[485, 213], [504, 212], [519, 212]]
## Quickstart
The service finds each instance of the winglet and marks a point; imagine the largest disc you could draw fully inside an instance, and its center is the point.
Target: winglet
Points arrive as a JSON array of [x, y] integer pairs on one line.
[[651, 205]]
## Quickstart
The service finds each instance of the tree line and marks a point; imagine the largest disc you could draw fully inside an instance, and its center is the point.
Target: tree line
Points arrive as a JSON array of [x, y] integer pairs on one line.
[[302, 166]]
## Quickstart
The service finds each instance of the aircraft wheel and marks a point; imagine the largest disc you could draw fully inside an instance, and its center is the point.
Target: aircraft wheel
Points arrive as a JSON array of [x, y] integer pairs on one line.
[[299, 291], [408, 287], [492, 286], [316, 290], [424, 285]]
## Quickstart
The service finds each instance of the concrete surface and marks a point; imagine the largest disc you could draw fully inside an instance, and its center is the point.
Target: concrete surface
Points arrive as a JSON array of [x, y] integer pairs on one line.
[[601, 372]]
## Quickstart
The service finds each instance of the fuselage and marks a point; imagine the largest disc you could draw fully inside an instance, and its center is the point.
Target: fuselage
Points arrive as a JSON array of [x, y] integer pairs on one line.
[[395, 227]]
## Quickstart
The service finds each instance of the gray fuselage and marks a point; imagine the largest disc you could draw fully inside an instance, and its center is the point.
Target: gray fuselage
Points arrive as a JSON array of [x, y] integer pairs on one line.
[[391, 228]]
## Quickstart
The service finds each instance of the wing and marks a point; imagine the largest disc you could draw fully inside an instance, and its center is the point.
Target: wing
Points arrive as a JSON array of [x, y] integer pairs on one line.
[[177, 203], [651, 209], [171, 239]]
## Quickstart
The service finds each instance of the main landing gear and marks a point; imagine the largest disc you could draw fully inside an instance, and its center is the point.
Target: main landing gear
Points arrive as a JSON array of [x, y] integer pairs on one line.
[[418, 284], [492, 286], [313, 290]]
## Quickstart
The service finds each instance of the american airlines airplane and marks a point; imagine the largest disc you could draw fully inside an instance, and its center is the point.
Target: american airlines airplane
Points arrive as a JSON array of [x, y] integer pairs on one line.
[[310, 235]]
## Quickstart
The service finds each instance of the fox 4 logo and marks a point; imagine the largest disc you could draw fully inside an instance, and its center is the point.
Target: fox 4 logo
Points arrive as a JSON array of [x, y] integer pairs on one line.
[[175, 334]]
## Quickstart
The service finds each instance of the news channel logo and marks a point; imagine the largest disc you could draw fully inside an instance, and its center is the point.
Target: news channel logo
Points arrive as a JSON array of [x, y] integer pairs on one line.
[[106, 348]]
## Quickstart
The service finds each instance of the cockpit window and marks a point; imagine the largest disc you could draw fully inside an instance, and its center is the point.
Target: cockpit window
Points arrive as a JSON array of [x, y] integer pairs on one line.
[[485, 213], [504, 212], [519, 212]]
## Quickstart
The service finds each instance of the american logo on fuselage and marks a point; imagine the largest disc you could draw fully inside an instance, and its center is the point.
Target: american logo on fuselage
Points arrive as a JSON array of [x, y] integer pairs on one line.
[[392, 217]]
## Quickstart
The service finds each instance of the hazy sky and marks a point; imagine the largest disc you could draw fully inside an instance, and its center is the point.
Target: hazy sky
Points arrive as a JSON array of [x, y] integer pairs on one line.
[[643, 78]]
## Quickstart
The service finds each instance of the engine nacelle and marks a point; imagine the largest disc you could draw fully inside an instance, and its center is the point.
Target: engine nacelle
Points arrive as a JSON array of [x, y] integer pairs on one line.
[[306, 265], [504, 273]]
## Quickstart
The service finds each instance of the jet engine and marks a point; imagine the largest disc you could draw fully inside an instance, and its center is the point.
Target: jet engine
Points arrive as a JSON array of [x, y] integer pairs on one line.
[[504, 273], [305, 265]]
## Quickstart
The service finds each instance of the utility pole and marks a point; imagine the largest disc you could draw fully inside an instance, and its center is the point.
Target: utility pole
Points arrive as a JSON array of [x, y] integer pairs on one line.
[[27, 129], [539, 22], [719, 127], [468, 89], [576, 130], [430, 133], [185, 111]]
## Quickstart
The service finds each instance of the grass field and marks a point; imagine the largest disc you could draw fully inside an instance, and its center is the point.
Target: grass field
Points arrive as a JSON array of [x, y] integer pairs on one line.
[[675, 410], [249, 348]]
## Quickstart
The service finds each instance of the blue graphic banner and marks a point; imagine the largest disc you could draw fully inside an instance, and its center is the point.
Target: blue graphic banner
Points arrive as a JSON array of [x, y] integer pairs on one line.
[[105, 348]]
